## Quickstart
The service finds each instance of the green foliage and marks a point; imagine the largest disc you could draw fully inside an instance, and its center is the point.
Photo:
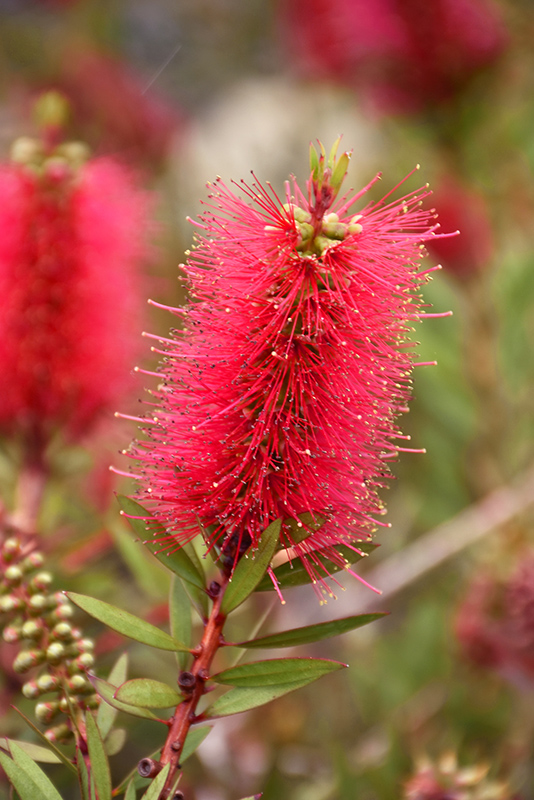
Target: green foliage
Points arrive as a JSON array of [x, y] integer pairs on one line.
[[125, 623], [107, 692], [153, 791], [28, 779], [251, 568], [276, 671], [107, 714], [180, 618], [312, 633], [147, 693], [100, 772]]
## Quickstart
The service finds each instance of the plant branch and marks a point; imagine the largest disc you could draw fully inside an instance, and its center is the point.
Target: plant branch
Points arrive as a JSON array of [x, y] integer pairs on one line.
[[192, 685]]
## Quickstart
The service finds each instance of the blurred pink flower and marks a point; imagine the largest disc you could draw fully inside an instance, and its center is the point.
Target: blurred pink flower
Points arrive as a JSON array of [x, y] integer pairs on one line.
[[113, 110], [280, 395], [495, 623], [405, 53], [461, 207], [71, 243]]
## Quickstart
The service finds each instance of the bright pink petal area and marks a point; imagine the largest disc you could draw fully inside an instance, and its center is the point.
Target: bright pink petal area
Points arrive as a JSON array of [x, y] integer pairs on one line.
[[70, 294], [280, 394]]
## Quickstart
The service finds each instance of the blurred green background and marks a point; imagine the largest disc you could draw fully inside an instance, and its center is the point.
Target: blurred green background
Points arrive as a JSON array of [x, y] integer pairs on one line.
[[185, 90]]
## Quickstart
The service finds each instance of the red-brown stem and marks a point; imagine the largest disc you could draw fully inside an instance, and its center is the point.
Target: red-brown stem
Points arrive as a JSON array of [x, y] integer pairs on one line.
[[185, 713]]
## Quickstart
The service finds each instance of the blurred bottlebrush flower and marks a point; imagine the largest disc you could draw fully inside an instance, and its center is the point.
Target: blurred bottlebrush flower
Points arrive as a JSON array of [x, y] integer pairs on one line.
[[279, 396], [404, 54], [495, 622], [72, 239], [461, 207], [116, 111], [446, 780]]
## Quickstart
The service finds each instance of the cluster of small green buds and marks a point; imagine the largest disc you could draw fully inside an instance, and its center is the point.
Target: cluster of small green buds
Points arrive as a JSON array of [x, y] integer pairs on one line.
[[50, 159], [327, 231], [38, 619]]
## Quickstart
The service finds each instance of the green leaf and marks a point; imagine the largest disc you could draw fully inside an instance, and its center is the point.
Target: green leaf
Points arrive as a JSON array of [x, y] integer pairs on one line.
[[35, 751], [147, 529], [195, 737], [60, 755], [115, 741], [180, 618], [23, 784], [312, 633], [107, 691], [309, 523], [148, 693], [340, 171], [293, 573], [106, 714], [26, 766], [146, 572], [83, 776], [99, 761], [276, 671], [154, 790], [251, 568], [242, 699], [131, 794], [126, 623]]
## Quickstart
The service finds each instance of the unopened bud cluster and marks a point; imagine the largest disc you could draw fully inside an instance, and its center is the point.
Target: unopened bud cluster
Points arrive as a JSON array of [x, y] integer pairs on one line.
[[38, 619], [53, 165], [318, 237]]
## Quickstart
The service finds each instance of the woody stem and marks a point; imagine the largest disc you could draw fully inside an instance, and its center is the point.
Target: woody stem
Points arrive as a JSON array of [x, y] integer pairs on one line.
[[193, 687]]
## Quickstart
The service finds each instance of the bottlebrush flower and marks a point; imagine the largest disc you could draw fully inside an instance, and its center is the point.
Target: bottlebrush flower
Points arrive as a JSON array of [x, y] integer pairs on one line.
[[405, 54], [279, 395], [71, 241], [446, 780]]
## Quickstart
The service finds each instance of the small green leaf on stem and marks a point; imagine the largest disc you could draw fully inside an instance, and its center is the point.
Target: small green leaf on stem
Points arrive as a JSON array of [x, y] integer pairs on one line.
[[195, 737], [35, 751], [123, 622], [153, 791], [107, 691], [60, 755], [309, 523], [27, 777], [251, 568], [180, 619], [148, 693], [83, 776], [130, 791], [312, 633], [115, 741], [277, 671], [99, 761], [106, 714]]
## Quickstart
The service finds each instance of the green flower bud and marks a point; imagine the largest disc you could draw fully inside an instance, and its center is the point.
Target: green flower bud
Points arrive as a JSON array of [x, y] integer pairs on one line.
[[93, 701], [62, 631], [31, 630], [10, 603], [60, 734], [47, 683], [75, 152], [79, 685], [13, 575], [27, 659], [31, 690], [25, 150], [85, 661], [45, 712], [33, 561], [55, 653], [334, 230], [64, 612], [11, 634], [86, 644], [37, 604], [40, 582], [10, 549]]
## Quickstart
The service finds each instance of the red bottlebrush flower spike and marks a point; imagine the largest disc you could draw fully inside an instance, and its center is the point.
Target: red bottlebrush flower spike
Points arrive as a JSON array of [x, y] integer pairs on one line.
[[279, 396], [72, 238]]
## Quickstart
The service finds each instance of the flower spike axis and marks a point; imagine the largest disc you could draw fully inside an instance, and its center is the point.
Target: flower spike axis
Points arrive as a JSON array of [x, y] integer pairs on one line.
[[279, 397]]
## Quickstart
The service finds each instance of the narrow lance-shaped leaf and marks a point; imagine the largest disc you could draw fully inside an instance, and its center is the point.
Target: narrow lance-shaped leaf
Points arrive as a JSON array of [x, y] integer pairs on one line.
[[242, 699], [180, 619], [148, 529], [148, 693], [107, 691], [251, 568], [312, 633], [307, 524], [155, 788], [35, 751], [60, 755], [126, 623], [25, 787], [276, 671], [115, 741], [99, 761], [28, 766], [106, 714], [130, 791], [294, 573], [83, 776]]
